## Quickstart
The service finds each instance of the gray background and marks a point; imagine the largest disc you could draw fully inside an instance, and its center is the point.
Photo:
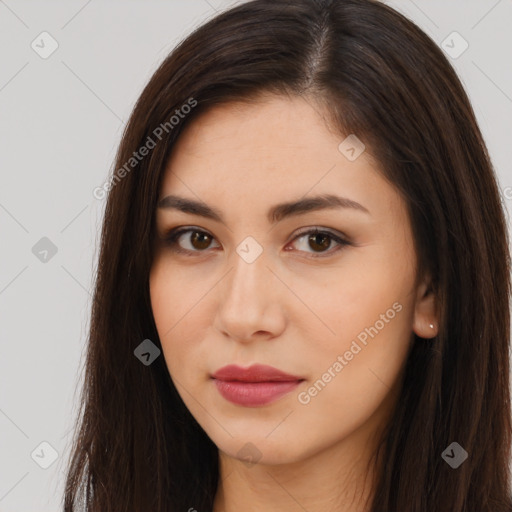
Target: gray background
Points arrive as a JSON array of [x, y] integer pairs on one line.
[[61, 119]]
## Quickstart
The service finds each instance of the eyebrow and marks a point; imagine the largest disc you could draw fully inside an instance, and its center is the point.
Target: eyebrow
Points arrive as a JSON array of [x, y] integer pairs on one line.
[[275, 214]]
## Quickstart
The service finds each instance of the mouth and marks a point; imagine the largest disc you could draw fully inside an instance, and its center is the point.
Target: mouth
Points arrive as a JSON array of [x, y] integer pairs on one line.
[[254, 386]]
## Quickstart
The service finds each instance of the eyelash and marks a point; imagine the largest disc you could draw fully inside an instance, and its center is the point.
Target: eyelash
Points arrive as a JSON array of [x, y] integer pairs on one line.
[[171, 241]]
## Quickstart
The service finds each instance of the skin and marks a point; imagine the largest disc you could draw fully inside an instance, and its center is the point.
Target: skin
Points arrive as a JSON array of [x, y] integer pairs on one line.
[[286, 309]]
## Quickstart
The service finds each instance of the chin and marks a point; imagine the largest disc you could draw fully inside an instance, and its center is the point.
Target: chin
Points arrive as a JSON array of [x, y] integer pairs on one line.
[[256, 449]]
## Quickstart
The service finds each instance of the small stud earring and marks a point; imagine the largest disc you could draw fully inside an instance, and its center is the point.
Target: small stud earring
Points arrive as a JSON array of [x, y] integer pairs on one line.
[[431, 326]]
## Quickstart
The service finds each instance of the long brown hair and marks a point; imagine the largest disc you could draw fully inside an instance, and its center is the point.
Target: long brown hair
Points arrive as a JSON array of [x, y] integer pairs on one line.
[[137, 448]]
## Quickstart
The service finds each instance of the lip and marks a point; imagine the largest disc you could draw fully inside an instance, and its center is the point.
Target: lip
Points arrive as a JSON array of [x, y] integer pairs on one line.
[[254, 386]]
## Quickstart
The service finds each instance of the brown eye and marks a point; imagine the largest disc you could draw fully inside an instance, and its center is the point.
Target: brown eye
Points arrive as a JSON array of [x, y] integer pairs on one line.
[[188, 240], [315, 242], [319, 242], [200, 240]]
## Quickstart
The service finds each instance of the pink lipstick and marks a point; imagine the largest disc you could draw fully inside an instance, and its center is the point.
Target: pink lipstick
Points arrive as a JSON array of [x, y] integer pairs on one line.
[[254, 386]]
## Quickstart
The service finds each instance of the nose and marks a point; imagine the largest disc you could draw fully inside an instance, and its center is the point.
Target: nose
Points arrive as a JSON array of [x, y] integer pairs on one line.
[[251, 301]]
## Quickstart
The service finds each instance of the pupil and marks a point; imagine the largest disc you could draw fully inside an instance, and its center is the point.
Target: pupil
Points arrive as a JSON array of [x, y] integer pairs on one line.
[[324, 244]]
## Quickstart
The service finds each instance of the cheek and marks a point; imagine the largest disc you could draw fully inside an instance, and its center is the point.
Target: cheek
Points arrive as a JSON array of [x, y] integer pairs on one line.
[[166, 303], [370, 342], [179, 310], [172, 293], [346, 301], [357, 359], [352, 378]]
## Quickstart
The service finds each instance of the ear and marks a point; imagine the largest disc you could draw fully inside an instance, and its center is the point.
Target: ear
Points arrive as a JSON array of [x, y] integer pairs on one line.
[[425, 322]]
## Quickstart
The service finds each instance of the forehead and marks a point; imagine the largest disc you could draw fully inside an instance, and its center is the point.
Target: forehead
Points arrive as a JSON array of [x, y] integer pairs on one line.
[[273, 122], [269, 151]]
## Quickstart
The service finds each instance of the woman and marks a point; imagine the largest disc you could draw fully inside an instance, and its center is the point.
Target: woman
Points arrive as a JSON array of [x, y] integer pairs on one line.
[[302, 292]]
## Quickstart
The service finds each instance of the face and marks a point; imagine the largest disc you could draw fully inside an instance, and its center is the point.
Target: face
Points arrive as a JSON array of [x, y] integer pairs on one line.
[[323, 290]]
